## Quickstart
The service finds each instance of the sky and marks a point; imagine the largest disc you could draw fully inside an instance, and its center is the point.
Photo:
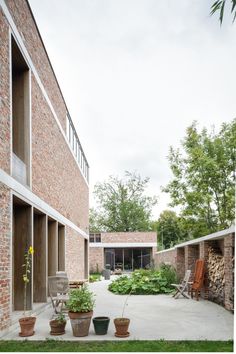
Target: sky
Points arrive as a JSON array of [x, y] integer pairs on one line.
[[135, 74]]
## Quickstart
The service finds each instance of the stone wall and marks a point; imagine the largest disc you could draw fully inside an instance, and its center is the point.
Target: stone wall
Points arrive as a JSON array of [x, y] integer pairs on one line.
[[166, 256]]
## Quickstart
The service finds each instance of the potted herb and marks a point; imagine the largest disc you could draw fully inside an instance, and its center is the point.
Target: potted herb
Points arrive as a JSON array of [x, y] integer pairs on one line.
[[80, 306], [27, 323], [122, 323], [101, 324], [58, 325]]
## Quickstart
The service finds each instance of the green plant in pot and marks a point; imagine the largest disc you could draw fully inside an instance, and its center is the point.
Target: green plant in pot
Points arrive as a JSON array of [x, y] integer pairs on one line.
[[58, 325], [27, 323], [80, 305]]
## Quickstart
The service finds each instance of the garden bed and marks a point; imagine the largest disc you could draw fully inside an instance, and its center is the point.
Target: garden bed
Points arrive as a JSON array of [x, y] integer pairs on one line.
[[146, 282]]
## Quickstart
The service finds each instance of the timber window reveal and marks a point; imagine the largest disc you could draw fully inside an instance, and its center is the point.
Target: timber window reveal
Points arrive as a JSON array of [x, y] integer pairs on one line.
[[20, 78], [76, 147]]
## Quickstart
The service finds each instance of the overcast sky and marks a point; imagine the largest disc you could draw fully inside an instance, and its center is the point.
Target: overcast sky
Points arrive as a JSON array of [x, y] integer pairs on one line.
[[135, 74]]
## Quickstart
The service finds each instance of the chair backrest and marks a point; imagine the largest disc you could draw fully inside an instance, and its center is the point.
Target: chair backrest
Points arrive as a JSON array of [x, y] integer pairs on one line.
[[198, 274], [187, 276], [58, 285]]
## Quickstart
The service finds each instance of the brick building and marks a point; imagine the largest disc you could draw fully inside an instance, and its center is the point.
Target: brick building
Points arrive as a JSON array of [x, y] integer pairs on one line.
[[43, 169], [124, 250], [183, 256]]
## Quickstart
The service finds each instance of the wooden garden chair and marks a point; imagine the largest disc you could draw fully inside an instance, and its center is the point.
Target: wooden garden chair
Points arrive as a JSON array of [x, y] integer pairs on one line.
[[58, 287], [198, 280], [182, 288]]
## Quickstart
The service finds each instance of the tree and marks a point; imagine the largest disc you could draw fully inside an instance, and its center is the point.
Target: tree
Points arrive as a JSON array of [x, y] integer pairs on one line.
[[203, 183], [219, 5], [167, 228], [122, 204]]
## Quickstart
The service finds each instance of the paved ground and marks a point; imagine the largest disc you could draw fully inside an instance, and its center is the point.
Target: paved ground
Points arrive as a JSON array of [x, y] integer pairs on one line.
[[152, 317]]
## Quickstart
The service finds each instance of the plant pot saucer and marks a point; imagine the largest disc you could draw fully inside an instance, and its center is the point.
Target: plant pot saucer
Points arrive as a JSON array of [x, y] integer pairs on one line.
[[57, 334], [26, 335], [122, 335]]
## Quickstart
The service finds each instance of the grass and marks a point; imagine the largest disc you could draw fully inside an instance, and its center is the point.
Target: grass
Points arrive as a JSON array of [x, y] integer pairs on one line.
[[116, 346]]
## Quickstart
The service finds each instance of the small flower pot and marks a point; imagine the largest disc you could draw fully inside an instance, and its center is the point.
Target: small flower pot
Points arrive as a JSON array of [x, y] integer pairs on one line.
[[80, 322], [27, 326], [122, 325], [101, 325], [57, 327]]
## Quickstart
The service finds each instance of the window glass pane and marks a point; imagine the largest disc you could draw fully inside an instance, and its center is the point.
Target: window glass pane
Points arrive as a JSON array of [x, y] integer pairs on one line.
[[128, 259], [109, 258]]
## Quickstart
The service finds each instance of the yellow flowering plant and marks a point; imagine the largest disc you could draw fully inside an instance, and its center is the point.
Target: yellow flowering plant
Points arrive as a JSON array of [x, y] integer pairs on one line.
[[27, 269]]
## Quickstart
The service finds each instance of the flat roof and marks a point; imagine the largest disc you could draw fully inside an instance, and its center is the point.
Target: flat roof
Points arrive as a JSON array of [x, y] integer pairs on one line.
[[214, 236]]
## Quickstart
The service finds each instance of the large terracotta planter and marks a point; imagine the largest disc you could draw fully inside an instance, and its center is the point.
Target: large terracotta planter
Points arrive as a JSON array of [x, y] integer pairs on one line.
[[27, 326], [57, 327], [80, 323], [122, 325]]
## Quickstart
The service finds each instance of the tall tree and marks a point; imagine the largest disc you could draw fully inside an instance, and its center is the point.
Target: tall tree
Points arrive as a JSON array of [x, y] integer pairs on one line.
[[203, 183], [167, 228], [122, 204], [219, 6]]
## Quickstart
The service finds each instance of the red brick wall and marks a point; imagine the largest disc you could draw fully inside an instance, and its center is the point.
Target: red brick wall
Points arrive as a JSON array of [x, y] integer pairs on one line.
[[229, 244], [4, 96], [167, 256], [129, 237], [96, 259], [5, 245], [74, 255], [56, 177], [23, 19]]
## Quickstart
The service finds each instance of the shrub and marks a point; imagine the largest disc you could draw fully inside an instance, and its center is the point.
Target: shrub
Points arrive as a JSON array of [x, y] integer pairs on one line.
[[169, 272], [80, 300], [94, 277], [142, 282]]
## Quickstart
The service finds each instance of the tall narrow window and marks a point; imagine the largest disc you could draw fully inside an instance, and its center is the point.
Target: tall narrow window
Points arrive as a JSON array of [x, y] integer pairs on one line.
[[20, 116]]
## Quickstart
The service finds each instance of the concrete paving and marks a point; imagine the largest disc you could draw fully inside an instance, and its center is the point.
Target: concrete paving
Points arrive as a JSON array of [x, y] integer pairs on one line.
[[151, 316]]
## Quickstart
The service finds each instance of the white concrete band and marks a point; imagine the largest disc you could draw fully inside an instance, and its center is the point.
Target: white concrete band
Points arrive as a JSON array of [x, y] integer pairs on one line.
[[27, 58], [28, 196], [122, 244], [214, 236]]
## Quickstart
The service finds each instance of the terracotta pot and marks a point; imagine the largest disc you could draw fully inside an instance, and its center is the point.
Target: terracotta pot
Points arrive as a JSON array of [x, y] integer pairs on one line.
[[27, 326], [80, 322], [122, 325], [57, 327]]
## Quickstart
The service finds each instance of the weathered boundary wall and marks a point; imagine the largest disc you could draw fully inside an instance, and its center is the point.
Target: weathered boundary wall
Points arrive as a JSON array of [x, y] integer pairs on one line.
[[184, 256]]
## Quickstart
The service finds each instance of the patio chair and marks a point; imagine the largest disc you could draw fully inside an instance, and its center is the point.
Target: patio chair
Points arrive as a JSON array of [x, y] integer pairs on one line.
[[58, 287], [183, 287], [197, 284]]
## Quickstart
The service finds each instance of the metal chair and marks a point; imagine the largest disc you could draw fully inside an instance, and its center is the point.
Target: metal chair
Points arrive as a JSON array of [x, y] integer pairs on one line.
[[58, 287], [183, 287]]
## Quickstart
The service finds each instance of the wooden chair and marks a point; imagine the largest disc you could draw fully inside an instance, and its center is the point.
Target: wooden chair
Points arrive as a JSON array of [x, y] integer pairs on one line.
[[198, 280], [58, 287], [183, 287]]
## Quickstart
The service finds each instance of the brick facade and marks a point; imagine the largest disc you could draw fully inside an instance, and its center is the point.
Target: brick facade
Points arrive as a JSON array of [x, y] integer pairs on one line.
[[138, 239], [5, 246], [56, 177]]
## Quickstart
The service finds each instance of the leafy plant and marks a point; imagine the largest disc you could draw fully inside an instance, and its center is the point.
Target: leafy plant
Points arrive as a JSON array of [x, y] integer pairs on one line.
[[94, 277], [145, 282], [27, 270], [81, 300], [61, 318]]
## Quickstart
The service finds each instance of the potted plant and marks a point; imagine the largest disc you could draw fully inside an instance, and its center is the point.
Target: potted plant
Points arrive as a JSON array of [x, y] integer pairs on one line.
[[27, 323], [58, 325], [80, 306], [101, 324], [122, 323]]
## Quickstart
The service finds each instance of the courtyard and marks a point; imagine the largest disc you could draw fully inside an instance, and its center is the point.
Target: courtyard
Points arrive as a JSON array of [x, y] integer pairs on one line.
[[152, 317]]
